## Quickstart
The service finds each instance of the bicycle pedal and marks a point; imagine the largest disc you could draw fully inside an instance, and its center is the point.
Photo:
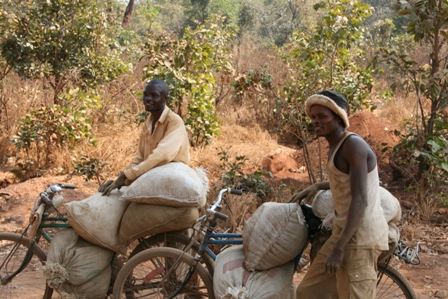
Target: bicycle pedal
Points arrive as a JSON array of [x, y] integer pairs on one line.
[[408, 254]]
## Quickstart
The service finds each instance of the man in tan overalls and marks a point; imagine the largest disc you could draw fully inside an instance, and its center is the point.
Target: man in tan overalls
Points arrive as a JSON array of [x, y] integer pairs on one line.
[[345, 267]]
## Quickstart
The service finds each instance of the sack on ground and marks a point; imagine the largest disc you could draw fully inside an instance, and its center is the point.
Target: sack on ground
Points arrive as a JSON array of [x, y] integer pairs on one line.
[[140, 220], [174, 184], [97, 219], [95, 288], [232, 280], [73, 260], [323, 205], [274, 235]]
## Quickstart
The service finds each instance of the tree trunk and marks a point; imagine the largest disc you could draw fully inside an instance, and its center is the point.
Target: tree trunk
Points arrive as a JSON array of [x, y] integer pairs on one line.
[[128, 14]]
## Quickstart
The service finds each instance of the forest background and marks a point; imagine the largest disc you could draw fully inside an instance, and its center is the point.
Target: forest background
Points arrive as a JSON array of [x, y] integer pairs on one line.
[[72, 75]]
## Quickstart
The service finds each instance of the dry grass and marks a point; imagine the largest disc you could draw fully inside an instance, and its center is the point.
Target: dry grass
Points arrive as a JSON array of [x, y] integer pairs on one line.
[[116, 145], [402, 107], [411, 232], [240, 136], [238, 208]]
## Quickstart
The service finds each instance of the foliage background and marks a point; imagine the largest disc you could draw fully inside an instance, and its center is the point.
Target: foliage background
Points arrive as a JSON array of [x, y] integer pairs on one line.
[[72, 73]]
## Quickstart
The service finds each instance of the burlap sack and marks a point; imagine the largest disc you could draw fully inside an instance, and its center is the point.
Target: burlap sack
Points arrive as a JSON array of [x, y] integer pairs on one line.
[[232, 280], [142, 220], [274, 235], [73, 260], [174, 184], [95, 288], [97, 219]]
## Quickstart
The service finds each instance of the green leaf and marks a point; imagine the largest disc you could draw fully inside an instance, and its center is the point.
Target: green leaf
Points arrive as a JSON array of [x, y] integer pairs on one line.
[[444, 166]]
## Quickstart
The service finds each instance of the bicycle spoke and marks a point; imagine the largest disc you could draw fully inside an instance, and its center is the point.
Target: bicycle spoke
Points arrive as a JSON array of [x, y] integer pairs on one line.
[[391, 284], [160, 274], [29, 282]]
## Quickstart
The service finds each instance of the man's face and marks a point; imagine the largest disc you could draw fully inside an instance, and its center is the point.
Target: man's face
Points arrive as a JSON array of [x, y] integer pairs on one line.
[[324, 120], [154, 98]]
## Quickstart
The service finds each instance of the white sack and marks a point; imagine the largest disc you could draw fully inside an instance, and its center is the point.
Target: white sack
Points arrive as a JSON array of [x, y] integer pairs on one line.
[[97, 219], [394, 234], [323, 204], [390, 205], [274, 235], [232, 281], [73, 260], [174, 184], [95, 288]]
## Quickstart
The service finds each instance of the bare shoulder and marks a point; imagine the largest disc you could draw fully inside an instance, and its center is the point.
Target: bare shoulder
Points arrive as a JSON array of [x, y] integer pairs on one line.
[[356, 144]]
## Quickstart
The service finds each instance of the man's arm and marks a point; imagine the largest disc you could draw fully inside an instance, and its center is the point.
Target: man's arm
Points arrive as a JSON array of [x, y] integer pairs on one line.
[[165, 152], [355, 152], [307, 194]]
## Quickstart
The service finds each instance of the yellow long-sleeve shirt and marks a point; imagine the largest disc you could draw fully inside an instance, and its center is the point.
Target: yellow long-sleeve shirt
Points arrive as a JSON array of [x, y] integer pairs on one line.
[[167, 143]]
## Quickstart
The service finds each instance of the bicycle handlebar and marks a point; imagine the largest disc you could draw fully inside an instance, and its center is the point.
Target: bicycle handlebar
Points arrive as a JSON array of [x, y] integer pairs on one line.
[[53, 189], [217, 202], [47, 196], [235, 191], [67, 186]]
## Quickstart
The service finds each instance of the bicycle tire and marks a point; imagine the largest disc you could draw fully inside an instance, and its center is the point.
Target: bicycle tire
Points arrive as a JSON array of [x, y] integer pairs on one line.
[[392, 284], [175, 240], [29, 283], [142, 275]]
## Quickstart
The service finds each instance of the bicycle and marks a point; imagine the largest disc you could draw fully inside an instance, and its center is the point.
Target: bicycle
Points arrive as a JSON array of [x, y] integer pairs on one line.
[[173, 273], [21, 255]]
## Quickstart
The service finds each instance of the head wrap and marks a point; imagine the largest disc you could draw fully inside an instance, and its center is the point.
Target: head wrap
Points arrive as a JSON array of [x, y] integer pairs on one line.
[[331, 100]]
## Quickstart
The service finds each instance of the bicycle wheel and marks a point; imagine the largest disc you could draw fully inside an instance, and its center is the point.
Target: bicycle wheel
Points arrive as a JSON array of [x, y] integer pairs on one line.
[[29, 283], [175, 240], [392, 284], [145, 276]]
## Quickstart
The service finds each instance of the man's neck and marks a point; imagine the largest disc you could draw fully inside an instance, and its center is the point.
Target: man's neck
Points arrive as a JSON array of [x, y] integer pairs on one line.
[[155, 115], [334, 138]]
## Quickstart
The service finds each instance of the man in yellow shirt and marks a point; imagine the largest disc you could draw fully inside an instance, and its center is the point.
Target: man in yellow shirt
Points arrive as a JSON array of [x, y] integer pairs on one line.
[[163, 139]]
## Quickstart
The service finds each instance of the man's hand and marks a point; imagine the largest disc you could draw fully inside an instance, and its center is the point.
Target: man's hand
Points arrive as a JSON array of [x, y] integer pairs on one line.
[[107, 187], [334, 260], [307, 194]]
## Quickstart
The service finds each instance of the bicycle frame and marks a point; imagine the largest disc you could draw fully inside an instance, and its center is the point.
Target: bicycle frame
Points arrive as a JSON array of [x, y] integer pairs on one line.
[[54, 224], [230, 239], [219, 239]]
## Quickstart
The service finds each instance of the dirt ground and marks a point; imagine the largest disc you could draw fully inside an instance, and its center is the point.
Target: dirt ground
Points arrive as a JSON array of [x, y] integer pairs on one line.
[[429, 279]]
